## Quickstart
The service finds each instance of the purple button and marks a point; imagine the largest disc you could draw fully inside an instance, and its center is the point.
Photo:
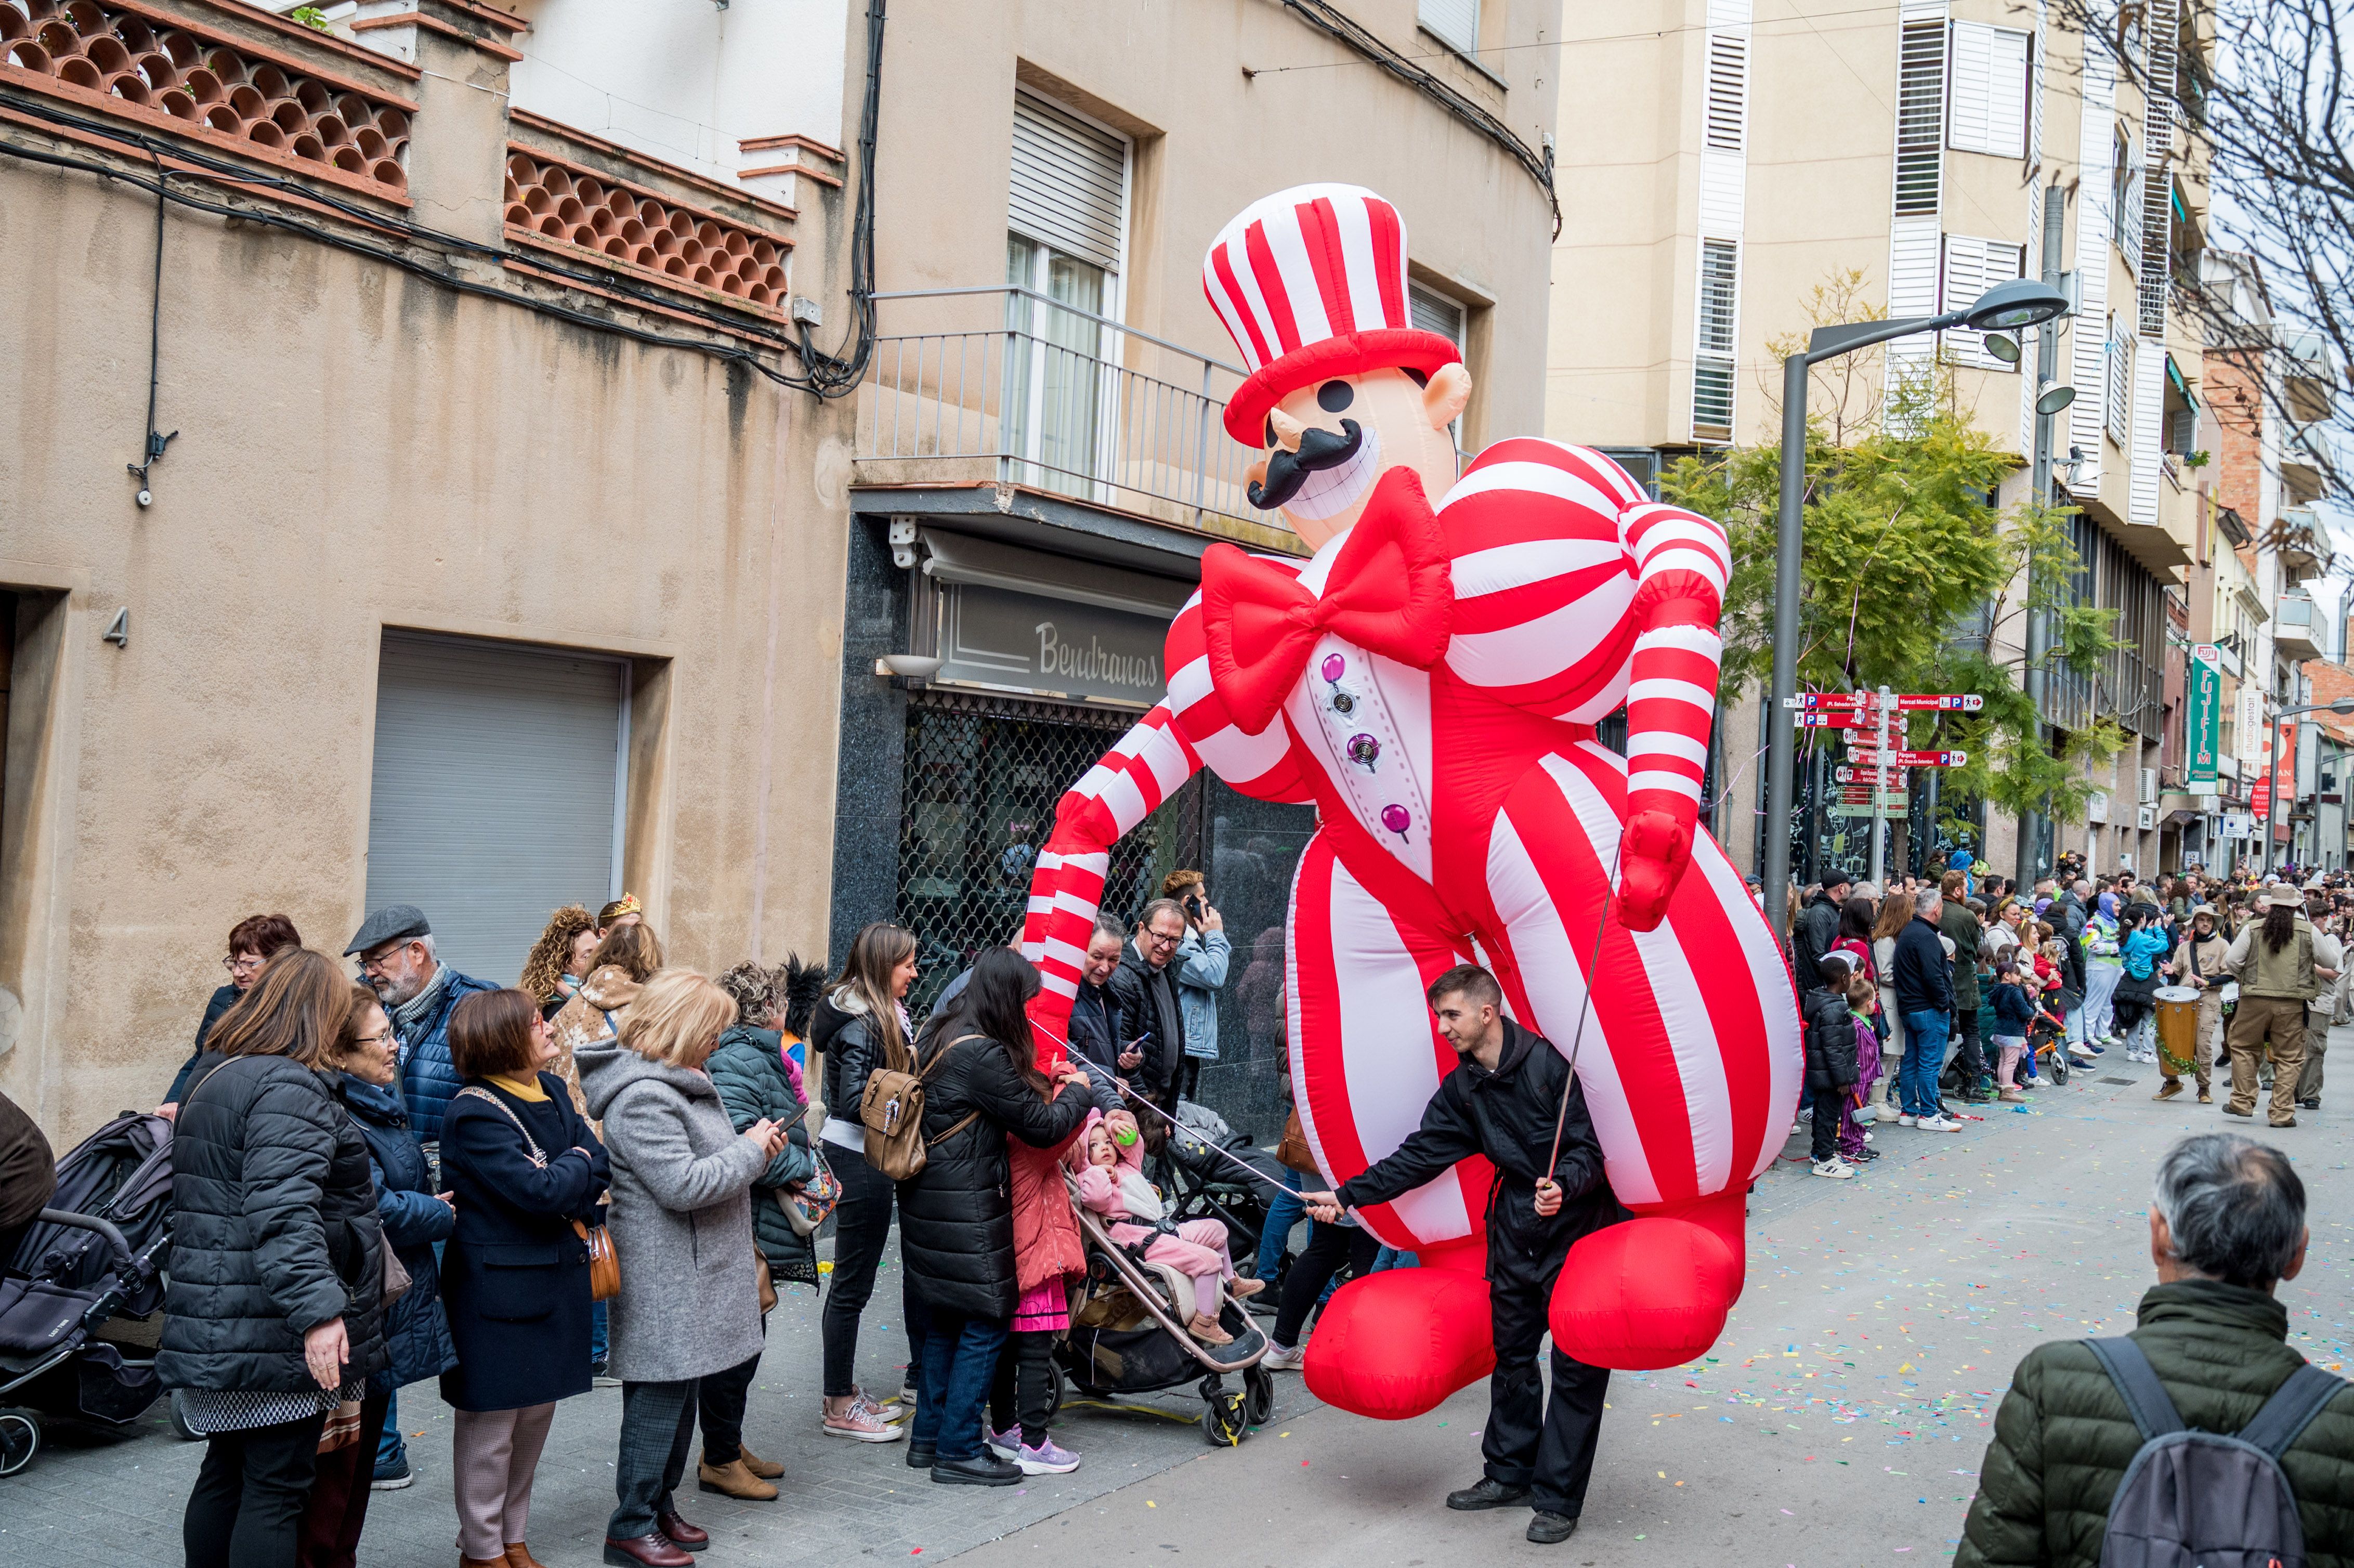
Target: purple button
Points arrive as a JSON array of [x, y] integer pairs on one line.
[[1363, 750], [1396, 819], [1335, 666]]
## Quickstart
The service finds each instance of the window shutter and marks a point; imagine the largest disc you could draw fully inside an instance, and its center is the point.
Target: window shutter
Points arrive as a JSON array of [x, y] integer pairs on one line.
[[1920, 117], [1453, 22], [1988, 91], [1716, 341], [2120, 375], [1433, 311], [1972, 267], [1728, 91], [1069, 182]]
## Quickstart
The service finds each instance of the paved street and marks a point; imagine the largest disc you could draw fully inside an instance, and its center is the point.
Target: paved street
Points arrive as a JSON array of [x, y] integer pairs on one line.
[[1840, 1420]]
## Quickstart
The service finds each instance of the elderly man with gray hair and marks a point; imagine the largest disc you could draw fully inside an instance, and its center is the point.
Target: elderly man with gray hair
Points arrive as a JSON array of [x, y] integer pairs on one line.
[[2226, 1228]]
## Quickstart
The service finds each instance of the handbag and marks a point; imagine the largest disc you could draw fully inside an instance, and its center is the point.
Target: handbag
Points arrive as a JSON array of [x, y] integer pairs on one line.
[[343, 1427], [1292, 1152], [604, 1263], [891, 1112], [807, 1209], [396, 1275], [768, 1284]]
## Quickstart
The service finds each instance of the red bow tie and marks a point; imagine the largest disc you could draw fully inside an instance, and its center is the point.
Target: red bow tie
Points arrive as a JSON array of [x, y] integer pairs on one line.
[[1388, 593]]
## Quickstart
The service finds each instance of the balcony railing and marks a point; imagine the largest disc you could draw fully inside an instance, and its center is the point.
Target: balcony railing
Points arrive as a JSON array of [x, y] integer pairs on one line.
[[1004, 384], [2133, 691]]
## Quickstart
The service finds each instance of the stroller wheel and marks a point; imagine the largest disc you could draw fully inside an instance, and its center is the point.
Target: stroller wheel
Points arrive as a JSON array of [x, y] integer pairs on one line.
[[1223, 1419], [180, 1427], [1259, 1395], [20, 1439]]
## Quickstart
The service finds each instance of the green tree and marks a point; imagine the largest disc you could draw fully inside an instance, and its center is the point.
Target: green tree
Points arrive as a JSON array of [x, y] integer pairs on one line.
[[1911, 579]]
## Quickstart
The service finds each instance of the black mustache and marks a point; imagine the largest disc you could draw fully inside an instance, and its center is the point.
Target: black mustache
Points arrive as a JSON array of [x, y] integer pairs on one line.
[[1318, 449]]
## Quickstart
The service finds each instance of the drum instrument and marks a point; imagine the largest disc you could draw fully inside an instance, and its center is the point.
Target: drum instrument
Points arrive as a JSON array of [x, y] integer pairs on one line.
[[2177, 1027]]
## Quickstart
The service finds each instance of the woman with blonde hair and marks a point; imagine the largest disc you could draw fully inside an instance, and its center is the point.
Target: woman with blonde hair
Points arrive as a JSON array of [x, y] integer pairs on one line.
[[862, 1025], [273, 1316], [624, 960], [682, 1223], [560, 959]]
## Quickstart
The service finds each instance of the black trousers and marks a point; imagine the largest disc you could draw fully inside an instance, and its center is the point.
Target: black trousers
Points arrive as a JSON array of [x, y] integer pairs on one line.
[[1971, 1059], [862, 1225], [1024, 1386], [1830, 1106], [1329, 1246], [246, 1508], [720, 1398], [1549, 1448]]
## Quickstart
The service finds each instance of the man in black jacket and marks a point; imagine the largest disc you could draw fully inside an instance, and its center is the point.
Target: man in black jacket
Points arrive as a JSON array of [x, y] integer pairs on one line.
[[1096, 1015], [1815, 929], [1924, 997], [1145, 985], [1503, 1100]]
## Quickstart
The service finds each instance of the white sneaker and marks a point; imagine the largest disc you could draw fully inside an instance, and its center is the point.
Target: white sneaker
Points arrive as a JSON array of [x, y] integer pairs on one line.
[[1279, 1359], [1835, 1168], [1794, 1130], [1938, 1124], [2077, 1048], [1907, 1118], [1889, 1113]]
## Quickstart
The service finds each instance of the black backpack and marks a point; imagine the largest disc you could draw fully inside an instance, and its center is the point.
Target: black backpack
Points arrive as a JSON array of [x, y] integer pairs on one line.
[[2202, 1500]]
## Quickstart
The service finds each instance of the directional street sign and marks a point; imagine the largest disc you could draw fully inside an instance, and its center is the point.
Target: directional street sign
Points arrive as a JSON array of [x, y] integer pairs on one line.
[[1844, 719], [1910, 759], [1895, 779], [1908, 702]]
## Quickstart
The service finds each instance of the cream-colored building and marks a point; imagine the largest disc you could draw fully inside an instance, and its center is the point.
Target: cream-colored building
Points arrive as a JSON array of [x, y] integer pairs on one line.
[[492, 566], [1735, 172]]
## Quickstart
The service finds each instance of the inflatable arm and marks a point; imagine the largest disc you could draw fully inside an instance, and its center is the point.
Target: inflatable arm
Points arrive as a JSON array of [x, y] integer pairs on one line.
[[1681, 561]]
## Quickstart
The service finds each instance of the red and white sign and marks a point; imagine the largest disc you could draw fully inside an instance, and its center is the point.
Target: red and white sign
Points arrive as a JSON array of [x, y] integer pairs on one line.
[[1847, 719], [1894, 775], [1911, 759], [1907, 702]]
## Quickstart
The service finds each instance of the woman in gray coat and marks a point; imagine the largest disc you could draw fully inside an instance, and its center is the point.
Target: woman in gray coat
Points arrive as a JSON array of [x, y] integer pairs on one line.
[[682, 1223]]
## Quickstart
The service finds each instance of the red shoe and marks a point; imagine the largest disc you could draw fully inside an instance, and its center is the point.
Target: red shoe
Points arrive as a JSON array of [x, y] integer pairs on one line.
[[693, 1538], [1395, 1344], [1652, 1291]]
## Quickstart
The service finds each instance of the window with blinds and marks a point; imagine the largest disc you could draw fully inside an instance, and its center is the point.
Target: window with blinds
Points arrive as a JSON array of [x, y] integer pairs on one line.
[[1728, 91], [1987, 95], [1069, 184], [1433, 312], [1920, 117], [1716, 343], [1455, 23], [2120, 389], [1972, 265]]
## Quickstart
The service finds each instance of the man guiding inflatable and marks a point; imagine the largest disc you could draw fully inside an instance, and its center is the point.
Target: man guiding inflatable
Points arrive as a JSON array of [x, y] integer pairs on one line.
[[1510, 1091]]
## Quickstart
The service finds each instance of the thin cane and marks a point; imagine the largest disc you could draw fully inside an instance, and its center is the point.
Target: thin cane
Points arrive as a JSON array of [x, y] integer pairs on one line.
[[1164, 1116], [1561, 1118]]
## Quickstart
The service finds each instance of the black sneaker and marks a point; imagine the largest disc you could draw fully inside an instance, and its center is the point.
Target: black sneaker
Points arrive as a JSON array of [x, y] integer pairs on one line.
[[1550, 1529], [392, 1477], [921, 1458], [2312, 1104], [1487, 1493], [983, 1469]]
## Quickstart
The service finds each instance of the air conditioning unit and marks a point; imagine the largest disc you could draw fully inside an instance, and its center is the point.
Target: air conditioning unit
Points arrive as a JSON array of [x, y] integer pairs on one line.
[[2146, 817], [2149, 787]]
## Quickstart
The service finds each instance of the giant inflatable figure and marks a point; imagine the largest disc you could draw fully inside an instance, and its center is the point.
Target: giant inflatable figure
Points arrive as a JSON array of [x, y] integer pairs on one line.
[[1430, 679]]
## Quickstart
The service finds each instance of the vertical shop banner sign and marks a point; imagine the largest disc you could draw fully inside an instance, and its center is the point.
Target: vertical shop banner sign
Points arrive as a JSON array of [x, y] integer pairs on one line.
[[2205, 723]]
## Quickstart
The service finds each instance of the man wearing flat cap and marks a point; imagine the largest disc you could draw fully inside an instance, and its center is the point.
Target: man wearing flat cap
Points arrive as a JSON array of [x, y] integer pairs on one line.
[[395, 947]]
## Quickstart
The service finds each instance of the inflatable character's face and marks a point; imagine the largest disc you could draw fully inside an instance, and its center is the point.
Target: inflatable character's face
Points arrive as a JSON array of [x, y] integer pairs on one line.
[[1325, 445]]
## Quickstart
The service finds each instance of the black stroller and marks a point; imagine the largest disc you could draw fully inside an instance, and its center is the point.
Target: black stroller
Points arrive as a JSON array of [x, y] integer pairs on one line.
[[94, 1259], [1128, 1336]]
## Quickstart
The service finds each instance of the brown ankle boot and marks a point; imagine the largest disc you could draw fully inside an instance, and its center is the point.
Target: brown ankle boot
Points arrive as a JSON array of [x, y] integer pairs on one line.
[[519, 1556], [767, 1469], [1205, 1328], [733, 1481], [1243, 1289]]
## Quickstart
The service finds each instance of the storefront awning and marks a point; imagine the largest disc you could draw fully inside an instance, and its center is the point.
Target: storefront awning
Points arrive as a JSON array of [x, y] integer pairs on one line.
[[962, 558]]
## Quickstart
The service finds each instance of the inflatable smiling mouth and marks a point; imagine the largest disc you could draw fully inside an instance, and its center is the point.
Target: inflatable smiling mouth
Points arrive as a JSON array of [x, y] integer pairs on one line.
[[1305, 481]]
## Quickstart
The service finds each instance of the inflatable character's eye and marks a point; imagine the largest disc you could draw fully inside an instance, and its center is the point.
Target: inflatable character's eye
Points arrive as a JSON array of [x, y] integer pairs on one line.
[[1270, 433], [1335, 396]]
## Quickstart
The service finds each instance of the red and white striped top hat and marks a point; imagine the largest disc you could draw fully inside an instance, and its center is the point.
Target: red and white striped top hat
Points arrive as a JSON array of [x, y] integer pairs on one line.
[[1310, 283]]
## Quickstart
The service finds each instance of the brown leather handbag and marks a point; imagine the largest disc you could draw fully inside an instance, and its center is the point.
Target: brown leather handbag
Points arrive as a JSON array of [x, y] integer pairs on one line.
[[1292, 1152], [604, 1263]]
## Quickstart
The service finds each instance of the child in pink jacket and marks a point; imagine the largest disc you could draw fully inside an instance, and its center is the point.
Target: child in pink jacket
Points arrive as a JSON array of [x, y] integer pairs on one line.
[[1110, 1176]]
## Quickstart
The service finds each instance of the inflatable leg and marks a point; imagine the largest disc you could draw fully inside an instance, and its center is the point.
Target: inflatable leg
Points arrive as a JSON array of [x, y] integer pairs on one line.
[[1365, 1059]]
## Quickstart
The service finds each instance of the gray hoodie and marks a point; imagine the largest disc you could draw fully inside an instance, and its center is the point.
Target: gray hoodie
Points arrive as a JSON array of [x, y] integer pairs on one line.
[[682, 1218]]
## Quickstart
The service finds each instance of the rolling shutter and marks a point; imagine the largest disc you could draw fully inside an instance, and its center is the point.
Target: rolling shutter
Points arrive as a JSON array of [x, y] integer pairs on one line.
[[1433, 311], [1453, 22], [1069, 182], [493, 795]]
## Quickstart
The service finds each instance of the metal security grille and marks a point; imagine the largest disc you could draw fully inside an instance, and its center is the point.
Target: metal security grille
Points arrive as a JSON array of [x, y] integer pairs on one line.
[[983, 776], [1920, 117]]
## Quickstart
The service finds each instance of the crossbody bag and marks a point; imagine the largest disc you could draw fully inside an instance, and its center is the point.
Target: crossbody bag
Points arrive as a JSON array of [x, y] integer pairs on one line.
[[604, 1263]]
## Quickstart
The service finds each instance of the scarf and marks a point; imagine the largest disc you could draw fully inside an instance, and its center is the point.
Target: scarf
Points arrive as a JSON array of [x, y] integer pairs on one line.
[[409, 1017], [524, 1089]]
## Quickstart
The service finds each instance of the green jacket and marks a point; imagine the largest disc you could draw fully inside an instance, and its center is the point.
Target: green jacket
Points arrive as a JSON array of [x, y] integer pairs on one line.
[[2062, 1438], [748, 1070], [1957, 922]]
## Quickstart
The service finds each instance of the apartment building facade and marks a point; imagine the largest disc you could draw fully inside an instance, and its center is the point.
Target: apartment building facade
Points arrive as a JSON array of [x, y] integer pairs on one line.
[[492, 567], [1736, 172]]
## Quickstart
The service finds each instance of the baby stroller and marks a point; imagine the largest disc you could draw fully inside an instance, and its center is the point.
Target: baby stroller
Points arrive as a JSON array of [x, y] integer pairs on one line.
[[1128, 1336], [94, 1257], [1205, 1183]]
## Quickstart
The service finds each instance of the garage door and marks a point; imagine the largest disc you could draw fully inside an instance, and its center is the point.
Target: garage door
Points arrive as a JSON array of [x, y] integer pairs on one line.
[[496, 791]]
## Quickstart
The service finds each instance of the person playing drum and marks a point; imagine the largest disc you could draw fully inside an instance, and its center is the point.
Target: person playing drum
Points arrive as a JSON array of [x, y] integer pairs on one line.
[[2198, 968]]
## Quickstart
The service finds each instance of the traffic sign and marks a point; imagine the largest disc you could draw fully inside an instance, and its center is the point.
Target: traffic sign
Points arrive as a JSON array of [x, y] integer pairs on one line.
[[1911, 759], [1887, 813], [1838, 720], [1894, 775], [1908, 702]]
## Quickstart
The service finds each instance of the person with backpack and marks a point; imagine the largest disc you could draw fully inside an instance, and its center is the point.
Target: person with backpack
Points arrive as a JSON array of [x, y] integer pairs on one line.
[[2121, 1453]]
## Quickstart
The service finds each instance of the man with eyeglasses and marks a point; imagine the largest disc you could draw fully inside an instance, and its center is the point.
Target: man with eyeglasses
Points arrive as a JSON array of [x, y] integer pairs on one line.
[[395, 947], [1145, 985]]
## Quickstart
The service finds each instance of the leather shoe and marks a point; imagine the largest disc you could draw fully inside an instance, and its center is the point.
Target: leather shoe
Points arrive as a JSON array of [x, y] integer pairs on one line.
[[983, 1469], [653, 1551], [692, 1538], [767, 1469], [519, 1556], [1487, 1492], [1550, 1529], [922, 1458], [734, 1479], [2290, 1121], [466, 1561]]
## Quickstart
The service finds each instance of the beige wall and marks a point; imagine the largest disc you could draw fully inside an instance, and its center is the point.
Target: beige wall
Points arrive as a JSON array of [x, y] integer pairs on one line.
[[362, 448]]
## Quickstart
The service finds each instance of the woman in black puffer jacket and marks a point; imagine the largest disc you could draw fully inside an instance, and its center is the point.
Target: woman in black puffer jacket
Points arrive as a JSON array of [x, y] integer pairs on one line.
[[956, 1217], [277, 1262]]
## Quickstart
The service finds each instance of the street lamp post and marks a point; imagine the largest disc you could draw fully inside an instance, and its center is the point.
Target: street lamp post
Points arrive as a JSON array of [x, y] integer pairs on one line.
[[2022, 303], [2343, 705]]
